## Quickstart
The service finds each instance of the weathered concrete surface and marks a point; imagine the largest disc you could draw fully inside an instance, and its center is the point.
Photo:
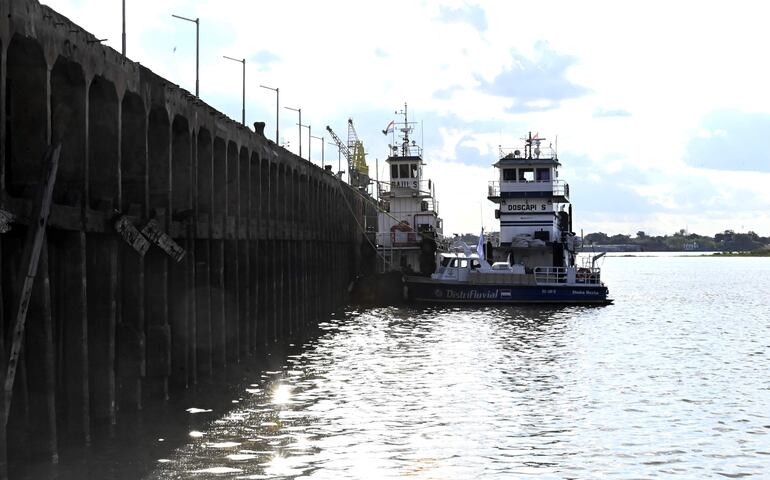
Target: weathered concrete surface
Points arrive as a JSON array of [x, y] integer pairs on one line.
[[247, 244]]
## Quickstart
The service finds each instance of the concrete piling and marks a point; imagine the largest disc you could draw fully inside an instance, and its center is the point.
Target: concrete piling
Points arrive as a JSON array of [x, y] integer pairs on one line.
[[245, 244]]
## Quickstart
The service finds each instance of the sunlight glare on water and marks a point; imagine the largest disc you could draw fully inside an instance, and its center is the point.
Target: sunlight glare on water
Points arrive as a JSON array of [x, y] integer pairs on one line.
[[282, 394], [670, 381]]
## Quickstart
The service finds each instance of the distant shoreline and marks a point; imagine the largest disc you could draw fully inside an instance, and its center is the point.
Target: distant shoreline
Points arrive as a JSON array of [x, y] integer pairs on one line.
[[763, 252], [689, 253]]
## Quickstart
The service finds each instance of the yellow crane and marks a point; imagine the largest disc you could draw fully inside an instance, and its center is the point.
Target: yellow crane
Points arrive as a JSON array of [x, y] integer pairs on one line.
[[358, 170]]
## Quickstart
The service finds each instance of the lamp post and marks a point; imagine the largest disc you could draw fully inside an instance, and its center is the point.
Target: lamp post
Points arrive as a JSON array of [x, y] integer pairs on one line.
[[197, 50], [276, 110], [299, 111], [339, 156], [243, 105], [124, 28], [309, 144], [322, 149]]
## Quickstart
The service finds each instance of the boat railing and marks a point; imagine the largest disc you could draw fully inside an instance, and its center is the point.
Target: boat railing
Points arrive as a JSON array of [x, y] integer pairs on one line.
[[559, 188], [398, 238], [493, 189], [563, 275], [407, 150], [428, 206], [403, 237], [545, 153]]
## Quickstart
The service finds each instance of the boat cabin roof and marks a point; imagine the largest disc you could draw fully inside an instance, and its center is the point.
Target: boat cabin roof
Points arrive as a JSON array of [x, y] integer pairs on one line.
[[405, 159], [510, 161]]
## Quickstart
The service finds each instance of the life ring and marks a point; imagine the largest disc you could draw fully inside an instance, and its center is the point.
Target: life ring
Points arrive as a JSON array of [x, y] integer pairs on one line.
[[402, 234]]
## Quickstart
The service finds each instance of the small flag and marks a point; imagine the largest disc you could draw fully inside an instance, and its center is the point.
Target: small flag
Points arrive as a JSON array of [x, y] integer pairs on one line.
[[389, 128], [480, 246]]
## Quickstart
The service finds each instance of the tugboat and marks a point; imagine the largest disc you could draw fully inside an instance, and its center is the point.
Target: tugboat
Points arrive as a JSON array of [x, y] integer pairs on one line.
[[410, 231], [535, 258]]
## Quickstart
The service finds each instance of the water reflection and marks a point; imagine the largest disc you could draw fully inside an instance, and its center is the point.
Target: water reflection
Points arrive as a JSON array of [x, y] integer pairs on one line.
[[282, 394], [637, 389]]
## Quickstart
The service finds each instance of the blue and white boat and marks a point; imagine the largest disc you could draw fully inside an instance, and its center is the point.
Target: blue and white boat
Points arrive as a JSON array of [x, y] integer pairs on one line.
[[534, 258]]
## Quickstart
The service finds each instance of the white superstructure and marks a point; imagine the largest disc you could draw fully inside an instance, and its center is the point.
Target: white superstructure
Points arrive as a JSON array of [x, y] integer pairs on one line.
[[533, 207], [409, 227]]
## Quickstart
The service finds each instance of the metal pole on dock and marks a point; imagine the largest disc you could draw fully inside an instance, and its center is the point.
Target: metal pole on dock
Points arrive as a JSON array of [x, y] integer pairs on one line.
[[309, 136], [243, 104], [124, 28], [276, 110], [197, 50], [322, 148], [299, 111]]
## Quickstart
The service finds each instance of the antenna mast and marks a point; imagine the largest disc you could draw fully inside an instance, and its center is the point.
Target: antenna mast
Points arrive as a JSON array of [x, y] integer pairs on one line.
[[405, 131]]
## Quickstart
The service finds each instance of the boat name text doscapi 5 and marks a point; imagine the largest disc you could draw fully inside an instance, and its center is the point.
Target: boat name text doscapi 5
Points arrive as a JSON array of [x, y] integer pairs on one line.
[[526, 208]]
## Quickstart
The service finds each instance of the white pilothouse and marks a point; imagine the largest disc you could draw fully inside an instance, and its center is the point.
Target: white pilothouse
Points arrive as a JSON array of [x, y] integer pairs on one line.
[[534, 258], [533, 208], [410, 230]]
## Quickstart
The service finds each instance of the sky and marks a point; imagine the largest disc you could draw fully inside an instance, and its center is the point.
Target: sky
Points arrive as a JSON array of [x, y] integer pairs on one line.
[[661, 109]]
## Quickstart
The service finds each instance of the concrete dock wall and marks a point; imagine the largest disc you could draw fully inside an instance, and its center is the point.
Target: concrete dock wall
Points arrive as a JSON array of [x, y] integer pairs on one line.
[[269, 241]]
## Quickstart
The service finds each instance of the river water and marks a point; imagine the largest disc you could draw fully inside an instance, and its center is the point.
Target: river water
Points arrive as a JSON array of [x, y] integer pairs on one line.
[[673, 380]]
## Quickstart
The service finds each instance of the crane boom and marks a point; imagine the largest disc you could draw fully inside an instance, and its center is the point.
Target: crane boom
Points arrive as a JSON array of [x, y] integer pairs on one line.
[[358, 171], [343, 148]]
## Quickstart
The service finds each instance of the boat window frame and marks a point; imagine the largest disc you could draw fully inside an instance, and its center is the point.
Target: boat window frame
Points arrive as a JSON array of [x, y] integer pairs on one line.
[[543, 174], [403, 170], [393, 171], [509, 175]]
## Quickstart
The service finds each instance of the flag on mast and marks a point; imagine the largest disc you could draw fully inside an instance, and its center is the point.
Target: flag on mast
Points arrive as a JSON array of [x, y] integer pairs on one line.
[[480, 246], [389, 128]]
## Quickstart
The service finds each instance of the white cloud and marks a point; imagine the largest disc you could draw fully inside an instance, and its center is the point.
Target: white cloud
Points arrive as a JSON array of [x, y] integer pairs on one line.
[[668, 63]]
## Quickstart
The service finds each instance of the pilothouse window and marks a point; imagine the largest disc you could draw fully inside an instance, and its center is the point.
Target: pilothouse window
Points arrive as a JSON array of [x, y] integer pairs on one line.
[[403, 171], [543, 174], [509, 174], [526, 175], [394, 171], [413, 168]]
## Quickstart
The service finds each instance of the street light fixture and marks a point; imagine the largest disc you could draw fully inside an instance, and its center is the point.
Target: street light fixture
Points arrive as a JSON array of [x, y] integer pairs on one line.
[[276, 110], [197, 50], [243, 105], [322, 148], [299, 111]]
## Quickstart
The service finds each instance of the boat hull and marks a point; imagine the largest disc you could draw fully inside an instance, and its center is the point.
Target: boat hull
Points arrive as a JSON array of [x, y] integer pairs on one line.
[[437, 291]]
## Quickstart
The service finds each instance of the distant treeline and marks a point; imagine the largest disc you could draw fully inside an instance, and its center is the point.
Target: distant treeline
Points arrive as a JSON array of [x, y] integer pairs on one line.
[[727, 241]]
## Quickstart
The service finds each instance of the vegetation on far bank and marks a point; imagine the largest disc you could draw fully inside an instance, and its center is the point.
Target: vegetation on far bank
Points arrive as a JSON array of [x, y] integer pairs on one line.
[[727, 241], [746, 244]]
